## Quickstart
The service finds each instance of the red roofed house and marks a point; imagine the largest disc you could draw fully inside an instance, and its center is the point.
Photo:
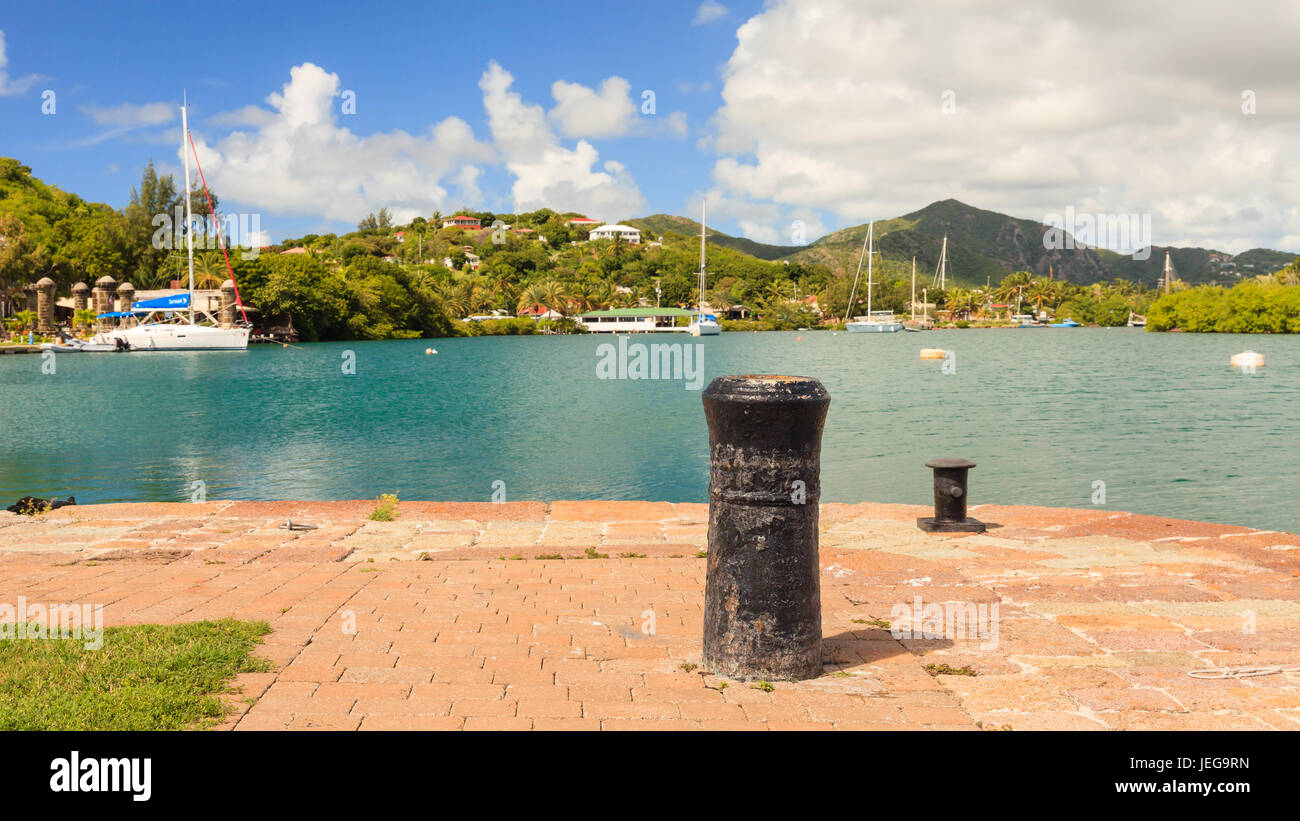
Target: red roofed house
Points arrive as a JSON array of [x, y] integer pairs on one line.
[[582, 221]]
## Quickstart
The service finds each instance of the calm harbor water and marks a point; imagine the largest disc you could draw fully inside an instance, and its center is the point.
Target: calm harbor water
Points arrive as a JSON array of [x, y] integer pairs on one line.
[[1161, 419]]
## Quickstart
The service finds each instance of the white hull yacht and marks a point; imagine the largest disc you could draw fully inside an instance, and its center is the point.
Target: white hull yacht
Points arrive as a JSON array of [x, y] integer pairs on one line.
[[171, 323]]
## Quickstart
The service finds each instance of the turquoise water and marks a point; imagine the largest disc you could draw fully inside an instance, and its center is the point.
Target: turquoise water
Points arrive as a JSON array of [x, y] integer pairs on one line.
[[1161, 419]]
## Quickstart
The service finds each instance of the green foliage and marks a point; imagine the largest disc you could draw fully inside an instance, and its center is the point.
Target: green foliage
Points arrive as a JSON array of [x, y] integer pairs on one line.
[[385, 508], [1250, 307]]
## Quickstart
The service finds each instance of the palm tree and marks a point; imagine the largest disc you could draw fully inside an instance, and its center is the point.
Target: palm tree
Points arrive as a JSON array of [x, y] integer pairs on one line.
[[1043, 291], [209, 271], [964, 303], [83, 318], [22, 320]]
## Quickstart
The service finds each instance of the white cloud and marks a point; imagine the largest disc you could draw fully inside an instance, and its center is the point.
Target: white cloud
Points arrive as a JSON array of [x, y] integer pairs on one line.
[[10, 86], [298, 160], [546, 173], [127, 120], [709, 11], [1113, 108], [675, 124], [128, 115], [585, 112], [248, 115]]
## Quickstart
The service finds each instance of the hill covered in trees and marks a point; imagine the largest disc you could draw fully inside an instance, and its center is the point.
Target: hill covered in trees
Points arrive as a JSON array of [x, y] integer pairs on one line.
[[385, 280]]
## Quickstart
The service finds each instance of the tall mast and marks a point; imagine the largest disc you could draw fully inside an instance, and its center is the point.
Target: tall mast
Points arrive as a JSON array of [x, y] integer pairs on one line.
[[704, 208], [189, 217], [870, 252], [1168, 272], [940, 280], [854, 290], [913, 289], [943, 261]]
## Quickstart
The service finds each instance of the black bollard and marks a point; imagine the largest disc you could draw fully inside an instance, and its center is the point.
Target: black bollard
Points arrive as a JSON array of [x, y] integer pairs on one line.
[[762, 598], [950, 499]]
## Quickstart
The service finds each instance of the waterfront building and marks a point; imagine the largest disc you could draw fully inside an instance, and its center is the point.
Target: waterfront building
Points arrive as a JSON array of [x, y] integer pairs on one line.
[[634, 320]]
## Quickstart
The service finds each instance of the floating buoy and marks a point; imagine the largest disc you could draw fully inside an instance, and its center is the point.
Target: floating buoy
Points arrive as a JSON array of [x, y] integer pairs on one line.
[[428, 351], [1247, 359], [798, 339], [932, 353]]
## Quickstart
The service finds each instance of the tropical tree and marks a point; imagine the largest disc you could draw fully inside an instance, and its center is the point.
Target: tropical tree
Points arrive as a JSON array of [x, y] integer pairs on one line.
[[22, 321], [83, 318], [209, 270], [964, 303]]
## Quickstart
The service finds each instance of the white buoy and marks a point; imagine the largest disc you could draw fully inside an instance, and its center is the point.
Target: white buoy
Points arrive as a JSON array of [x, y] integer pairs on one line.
[[1247, 359], [428, 351]]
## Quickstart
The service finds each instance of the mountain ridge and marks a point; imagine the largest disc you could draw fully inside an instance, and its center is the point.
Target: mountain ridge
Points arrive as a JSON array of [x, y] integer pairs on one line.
[[984, 246]]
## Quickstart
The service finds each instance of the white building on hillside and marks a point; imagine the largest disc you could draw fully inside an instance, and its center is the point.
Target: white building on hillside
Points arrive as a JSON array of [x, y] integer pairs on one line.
[[629, 234]]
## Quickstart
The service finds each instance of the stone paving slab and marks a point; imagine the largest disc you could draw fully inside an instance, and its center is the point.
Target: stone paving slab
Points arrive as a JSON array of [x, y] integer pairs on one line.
[[588, 615]]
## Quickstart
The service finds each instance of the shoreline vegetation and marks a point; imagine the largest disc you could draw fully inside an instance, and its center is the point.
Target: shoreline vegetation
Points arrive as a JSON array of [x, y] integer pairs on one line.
[[533, 273]]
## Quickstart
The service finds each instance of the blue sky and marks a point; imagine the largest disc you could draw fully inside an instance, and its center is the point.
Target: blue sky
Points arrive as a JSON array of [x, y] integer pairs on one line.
[[793, 117], [408, 69]]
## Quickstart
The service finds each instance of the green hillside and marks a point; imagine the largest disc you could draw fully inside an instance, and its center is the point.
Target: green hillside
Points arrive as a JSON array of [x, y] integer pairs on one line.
[[657, 225]]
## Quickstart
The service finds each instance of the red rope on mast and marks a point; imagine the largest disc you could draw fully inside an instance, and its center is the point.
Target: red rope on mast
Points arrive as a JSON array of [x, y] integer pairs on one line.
[[221, 241]]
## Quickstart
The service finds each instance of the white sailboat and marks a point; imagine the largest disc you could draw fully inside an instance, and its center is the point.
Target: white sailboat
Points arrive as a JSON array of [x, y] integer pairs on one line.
[[703, 324], [168, 323], [877, 322]]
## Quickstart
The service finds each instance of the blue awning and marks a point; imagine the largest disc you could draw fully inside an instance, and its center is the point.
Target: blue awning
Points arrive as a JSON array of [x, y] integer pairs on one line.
[[115, 315], [163, 303]]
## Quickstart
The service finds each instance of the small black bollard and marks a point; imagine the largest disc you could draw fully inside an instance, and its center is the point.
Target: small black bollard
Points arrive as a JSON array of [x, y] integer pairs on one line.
[[950, 499], [762, 598]]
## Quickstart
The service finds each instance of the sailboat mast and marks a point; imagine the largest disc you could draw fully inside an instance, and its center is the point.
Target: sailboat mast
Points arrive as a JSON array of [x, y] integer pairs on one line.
[[189, 217], [704, 208], [1168, 272], [870, 253], [943, 265], [913, 289], [854, 290]]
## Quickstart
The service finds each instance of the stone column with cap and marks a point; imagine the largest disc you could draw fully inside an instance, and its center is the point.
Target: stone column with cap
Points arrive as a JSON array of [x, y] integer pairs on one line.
[[105, 287], [125, 298], [80, 292], [226, 311], [45, 306], [762, 600]]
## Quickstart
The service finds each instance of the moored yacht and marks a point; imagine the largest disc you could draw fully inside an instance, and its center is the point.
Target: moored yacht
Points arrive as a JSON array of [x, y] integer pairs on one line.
[[877, 322], [171, 323], [703, 324]]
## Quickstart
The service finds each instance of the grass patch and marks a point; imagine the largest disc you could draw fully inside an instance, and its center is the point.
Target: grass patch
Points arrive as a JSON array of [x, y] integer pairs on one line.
[[945, 670], [631, 555], [385, 508], [548, 556], [145, 677], [881, 623], [593, 554]]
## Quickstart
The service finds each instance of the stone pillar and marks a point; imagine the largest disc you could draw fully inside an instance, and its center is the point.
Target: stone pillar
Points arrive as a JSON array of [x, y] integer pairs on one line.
[[45, 306], [125, 296], [105, 286], [80, 292], [762, 600], [226, 311]]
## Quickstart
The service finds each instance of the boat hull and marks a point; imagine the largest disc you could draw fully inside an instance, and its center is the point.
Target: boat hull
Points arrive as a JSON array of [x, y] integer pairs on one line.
[[173, 337], [705, 328], [873, 327]]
